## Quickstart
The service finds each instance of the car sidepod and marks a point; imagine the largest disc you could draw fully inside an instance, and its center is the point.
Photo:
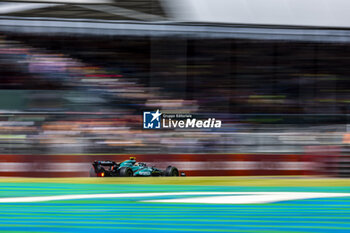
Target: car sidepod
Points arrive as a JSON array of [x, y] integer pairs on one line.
[[146, 171]]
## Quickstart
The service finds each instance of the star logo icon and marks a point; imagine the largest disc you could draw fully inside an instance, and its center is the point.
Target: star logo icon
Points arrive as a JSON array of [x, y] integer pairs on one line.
[[156, 115], [151, 120]]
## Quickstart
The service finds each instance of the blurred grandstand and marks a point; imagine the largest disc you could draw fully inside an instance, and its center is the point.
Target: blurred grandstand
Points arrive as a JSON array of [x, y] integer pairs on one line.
[[76, 77]]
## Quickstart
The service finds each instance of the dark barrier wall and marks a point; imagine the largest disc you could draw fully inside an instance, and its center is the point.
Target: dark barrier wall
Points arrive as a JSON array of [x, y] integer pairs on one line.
[[191, 164]]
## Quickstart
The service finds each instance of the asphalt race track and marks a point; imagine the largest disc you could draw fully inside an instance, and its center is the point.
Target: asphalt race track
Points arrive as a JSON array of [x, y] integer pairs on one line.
[[110, 205]]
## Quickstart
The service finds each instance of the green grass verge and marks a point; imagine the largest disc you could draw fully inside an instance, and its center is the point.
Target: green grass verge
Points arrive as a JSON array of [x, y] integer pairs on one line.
[[217, 181]]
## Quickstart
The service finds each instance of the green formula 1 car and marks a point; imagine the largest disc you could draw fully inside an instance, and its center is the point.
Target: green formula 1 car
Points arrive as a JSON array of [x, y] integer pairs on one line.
[[129, 168]]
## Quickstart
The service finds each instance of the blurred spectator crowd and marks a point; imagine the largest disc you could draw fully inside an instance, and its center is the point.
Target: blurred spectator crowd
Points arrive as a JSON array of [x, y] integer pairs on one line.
[[77, 95]]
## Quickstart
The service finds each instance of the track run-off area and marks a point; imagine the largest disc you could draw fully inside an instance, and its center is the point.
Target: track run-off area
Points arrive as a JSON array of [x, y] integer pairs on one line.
[[175, 204]]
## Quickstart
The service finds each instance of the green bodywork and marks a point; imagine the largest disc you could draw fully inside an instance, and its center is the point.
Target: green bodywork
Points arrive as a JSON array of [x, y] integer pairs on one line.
[[140, 169]]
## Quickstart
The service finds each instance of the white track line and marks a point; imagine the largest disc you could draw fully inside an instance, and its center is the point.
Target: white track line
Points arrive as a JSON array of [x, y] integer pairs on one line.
[[238, 198], [253, 198]]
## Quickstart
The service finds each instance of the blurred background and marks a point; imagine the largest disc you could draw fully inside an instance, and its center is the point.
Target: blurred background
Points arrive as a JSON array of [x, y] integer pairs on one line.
[[75, 77]]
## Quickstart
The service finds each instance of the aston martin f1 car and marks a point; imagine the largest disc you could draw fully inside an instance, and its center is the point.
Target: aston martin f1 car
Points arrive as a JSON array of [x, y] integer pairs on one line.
[[129, 168]]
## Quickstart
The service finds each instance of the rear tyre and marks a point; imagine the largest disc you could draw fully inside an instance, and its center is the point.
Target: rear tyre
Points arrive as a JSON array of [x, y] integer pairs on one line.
[[92, 172], [171, 171], [126, 172]]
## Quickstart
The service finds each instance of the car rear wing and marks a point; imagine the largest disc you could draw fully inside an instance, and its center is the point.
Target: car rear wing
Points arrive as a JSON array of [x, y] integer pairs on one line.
[[105, 163]]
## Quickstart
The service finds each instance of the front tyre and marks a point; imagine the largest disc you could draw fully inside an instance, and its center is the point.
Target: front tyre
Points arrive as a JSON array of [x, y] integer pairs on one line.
[[126, 172], [171, 171]]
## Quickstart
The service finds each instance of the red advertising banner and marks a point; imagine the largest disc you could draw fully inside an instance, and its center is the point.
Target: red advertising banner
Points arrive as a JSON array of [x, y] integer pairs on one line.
[[191, 164]]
